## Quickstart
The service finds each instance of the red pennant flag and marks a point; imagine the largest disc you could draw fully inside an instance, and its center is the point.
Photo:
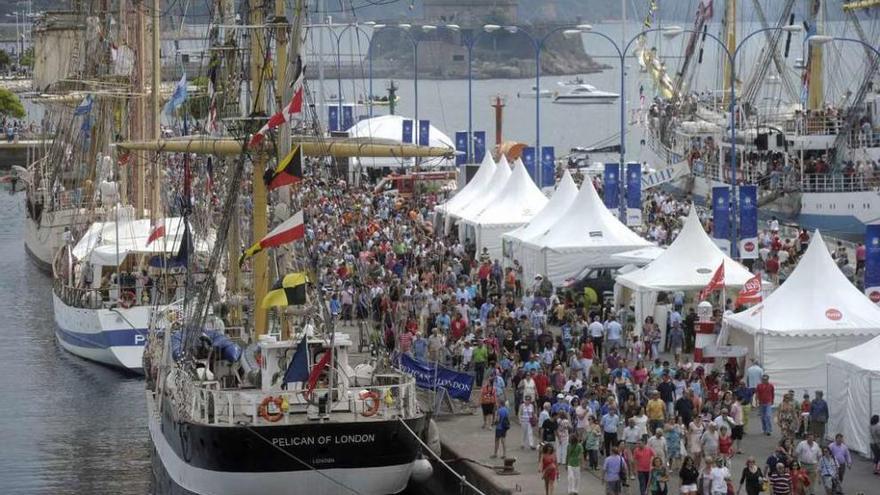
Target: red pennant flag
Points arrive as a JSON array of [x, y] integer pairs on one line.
[[158, 231], [716, 283], [291, 110], [316, 371], [751, 291]]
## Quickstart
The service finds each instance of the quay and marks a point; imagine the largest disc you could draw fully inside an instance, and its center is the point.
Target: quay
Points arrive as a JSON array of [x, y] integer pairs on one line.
[[21, 152]]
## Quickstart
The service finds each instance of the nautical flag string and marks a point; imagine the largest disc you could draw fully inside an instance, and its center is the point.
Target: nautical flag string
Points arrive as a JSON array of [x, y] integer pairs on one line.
[[290, 230], [292, 110]]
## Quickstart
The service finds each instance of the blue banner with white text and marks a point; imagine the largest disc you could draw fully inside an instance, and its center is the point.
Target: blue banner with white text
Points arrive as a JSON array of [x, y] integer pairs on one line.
[[461, 146], [431, 376], [611, 186], [528, 159], [548, 166], [407, 131], [333, 118], [479, 146], [872, 263], [721, 218], [633, 194], [347, 117], [748, 221], [424, 132]]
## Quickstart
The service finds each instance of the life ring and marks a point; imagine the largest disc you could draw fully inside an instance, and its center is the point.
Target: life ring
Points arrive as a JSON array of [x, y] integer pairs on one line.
[[371, 398], [127, 299], [273, 417]]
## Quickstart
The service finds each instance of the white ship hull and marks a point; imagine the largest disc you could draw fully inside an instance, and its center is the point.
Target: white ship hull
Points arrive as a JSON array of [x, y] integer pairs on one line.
[[381, 480], [114, 337], [42, 240]]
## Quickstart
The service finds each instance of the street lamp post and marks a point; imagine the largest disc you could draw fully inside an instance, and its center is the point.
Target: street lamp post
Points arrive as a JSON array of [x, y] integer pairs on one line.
[[470, 43], [358, 32]]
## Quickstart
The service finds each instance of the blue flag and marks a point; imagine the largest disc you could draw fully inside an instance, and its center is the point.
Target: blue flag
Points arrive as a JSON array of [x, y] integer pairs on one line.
[[85, 107], [548, 166], [178, 97], [461, 145], [407, 131], [347, 117], [611, 186], [298, 369], [721, 217], [633, 194], [424, 132], [748, 221], [479, 147], [528, 158], [333, 118], [872, 263]]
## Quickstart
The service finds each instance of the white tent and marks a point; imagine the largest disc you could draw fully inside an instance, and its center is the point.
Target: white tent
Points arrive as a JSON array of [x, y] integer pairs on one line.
[[482, 200], [687, 265], [587, 234], [639, 257], [562, 198], [817, 311], [478, 184], [854, 393], [390, 128], [514, 206]]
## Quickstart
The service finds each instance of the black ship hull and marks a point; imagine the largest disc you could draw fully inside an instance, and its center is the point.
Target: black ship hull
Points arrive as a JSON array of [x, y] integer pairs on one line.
[[332, 457]]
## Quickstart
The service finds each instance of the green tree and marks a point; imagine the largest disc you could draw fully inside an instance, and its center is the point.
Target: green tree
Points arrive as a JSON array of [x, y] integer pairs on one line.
[[197, 103], [10, 105], [5, 59], [27, 58]]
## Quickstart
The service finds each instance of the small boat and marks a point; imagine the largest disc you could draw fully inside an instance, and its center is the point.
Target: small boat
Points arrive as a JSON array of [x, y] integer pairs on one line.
[[544, 93], [577, 81], [379, 101], [584, 94]]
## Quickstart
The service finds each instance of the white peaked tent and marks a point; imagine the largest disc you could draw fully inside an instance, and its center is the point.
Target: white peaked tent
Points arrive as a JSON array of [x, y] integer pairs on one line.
[[854, 393], [473, 189], [514, 205], [562, 198], [687, 265], [586, 234], [817, 311], [479, 202]]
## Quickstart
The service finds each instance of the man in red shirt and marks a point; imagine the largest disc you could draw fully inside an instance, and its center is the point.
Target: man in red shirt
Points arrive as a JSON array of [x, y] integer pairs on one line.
[[587, 351], [766, 393], [643, 455], [484, 272], [458, 327], [772, 267]]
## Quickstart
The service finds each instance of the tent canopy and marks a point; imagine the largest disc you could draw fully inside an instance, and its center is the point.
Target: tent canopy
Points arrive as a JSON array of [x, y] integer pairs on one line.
[[853, 377], [687, 264], [390, 127], [816, 299], [561, 200], [515, 204], [639, 257], [481, 201], [472, 189]]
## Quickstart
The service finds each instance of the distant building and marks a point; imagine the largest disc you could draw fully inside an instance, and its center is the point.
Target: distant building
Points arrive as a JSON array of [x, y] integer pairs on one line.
[[471, 12]]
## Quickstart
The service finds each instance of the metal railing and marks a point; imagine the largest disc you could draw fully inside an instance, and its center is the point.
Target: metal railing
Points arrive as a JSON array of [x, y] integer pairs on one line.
[[106, 297], [211, 405], [832, 182]]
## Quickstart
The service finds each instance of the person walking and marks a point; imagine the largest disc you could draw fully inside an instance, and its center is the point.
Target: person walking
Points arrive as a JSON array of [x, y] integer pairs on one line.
[[752, 478], [720, 475], [808, 454], [688, 476], [828, 470], [659, 477], [528, 419], [875, 442], [592, 440], [614, 471], [780, 480], [548, 468], [765, 391], [642, 457], [563, 432], [610, 423], [487, 403], [573, 459], [840, 451], [818, 416], [502, 424]]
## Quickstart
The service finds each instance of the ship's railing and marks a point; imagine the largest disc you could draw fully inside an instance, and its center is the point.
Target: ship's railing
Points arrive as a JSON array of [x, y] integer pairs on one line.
[[106, 297], [814, 125], [215, 406], [865, 139], [831, 182]]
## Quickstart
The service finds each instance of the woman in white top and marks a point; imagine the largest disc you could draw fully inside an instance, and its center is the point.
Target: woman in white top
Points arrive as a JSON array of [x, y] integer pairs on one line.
[[641, 421], [526, 413], [695, 432]]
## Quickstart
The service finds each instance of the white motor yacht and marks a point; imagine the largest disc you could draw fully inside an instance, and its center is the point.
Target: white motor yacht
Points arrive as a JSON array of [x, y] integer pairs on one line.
[[586, 93]]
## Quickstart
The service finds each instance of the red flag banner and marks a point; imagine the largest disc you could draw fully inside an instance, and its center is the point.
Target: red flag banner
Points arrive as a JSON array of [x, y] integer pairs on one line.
[[291, 110], [751, 291], [717, 283], [158, 231], [316, 371]]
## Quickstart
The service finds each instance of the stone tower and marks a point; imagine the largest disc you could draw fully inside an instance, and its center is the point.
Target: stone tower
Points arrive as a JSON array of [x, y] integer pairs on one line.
[[471, 12]]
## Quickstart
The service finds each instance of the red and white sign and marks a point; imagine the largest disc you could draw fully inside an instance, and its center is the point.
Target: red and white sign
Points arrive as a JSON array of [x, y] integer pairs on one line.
[[874, 296], [751, 291], [833, 314], [749, 246]]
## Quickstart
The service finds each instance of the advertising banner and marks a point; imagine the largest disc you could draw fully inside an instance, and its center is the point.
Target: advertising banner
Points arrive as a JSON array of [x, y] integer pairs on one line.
[[548, 166], [347, 117], [424, 132], [633, 194], [333, 118], [528, 158], [479, 147], [458, 385], [872, 262], [611, 186], [721, 218], [461, 143], [407, 131], [748, 221]]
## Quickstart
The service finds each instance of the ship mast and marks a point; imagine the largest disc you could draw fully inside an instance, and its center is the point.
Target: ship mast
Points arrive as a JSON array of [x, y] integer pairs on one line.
[[140, 106], [260, 262], [730, 42], [815, 82], [156, 200]]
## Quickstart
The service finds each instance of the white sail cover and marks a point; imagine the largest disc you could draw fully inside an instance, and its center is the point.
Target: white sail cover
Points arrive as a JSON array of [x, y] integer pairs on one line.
[[515, 205], [108, 243], [390, 127], [816, 312], [480, 202], [586, 234], [854, 393], [472, 189], [687, 264]]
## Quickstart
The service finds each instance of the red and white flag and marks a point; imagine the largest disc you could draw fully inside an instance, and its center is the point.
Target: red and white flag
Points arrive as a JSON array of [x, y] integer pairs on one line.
[[157, 232], [751, 291], [287, 231], [717, 283], [291, 110]]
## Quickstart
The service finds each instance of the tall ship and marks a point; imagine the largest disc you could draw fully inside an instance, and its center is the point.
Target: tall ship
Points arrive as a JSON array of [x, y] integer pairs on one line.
[[808, 136], [246, 387]]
